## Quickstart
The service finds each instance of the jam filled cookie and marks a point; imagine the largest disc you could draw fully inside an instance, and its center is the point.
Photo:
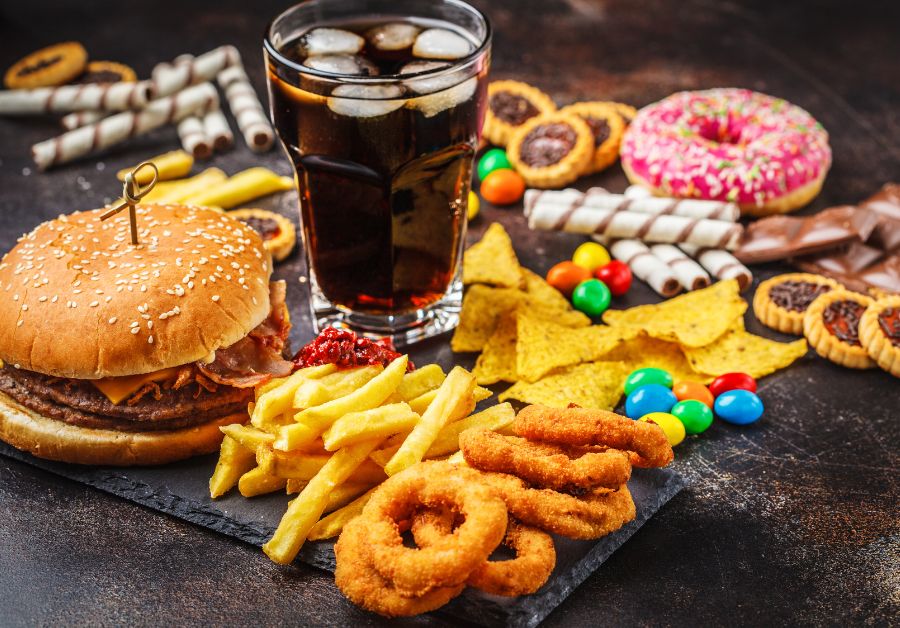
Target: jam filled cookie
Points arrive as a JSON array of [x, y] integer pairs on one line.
[[831, 325], [626, 111], [48, 67], [278, 233], [780, 302], [510, 105], [606, 126], [107, 72], [879, 333], [551, 150]]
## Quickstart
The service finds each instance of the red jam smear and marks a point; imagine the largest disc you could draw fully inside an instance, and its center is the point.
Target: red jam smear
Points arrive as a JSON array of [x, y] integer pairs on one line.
[[889, 320], [346, 350], [841, 318]]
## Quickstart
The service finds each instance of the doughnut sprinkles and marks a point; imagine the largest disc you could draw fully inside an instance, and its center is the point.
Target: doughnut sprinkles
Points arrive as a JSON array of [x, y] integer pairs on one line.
[[607, 127], [551, 150], [510, 105], [781, 302], [831, 325], [48, 67], [727, 144], [879, 333]]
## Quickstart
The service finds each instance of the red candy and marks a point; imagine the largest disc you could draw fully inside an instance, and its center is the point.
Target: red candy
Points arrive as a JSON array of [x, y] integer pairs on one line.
[[732, 381], [616, 276], [566, 275]]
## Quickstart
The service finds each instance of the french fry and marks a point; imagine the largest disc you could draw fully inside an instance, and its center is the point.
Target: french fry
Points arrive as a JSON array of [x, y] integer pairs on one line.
[[306, 509], [334, 385], [295, 436], [339, 497], [332, 525], [453, 401], [492, 418], [420, 381], [457, 458], [249, 437], [180, 189], [243, 187], [278, 400], [234, 461], [301, 466], [171, 165], [382, 422], [262, 389], [421, 403], [257, 482], [383, 456]]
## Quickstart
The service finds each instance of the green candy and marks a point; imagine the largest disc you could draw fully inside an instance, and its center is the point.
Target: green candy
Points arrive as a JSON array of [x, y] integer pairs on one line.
[[649, 375], [494, 159], [591, 296], [696, 415]]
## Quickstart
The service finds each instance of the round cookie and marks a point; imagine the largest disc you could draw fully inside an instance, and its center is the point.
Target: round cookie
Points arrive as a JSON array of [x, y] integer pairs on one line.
[[48, 67], [606, 126], [104, 72], [277, 232], [831, 325], [510, 105], [879, 333], [780, 302], [551, 150]]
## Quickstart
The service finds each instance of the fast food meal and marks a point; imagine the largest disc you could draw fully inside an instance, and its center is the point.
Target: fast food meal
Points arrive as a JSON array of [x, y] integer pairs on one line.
[[119, 354]]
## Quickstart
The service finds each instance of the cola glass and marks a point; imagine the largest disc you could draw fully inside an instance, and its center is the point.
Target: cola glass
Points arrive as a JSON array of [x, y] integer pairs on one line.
[[379, 106]]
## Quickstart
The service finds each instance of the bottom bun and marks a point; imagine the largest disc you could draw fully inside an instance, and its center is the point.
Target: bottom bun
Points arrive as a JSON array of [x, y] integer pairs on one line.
[[54, 440]]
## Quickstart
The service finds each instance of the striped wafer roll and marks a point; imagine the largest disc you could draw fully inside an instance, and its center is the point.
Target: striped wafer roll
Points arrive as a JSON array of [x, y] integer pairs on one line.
[[193, 137], [169, 78], [121, 126], [86, 97], [599, 198], [246, 108], [646, 266], [689, 273], [721, 264], [78, 119], [216, 128]]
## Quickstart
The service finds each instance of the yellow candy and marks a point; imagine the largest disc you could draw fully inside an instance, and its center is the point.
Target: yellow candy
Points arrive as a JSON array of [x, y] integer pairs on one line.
[[474, 205], [590, 256], [670, 424]]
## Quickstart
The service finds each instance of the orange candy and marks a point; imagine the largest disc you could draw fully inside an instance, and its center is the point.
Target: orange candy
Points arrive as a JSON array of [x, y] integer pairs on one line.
[[502, 187], [565, 276], [693, 390]]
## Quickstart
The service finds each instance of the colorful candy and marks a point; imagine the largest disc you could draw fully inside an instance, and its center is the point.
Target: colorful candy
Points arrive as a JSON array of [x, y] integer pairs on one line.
[[494, 159], [616, 275], [591, 297], [647, 399], [693, 390], [673, 428], [644, 376], [473, 206], [565, 276], [591, 256], [739, 406], [695, 415], [502, 187], [732, 381]]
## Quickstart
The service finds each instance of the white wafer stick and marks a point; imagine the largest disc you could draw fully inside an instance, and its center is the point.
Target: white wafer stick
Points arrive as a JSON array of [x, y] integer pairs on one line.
[[246, 108], [599, 198], [169, 78], [194, 138], [80, 118], [722, 264], [121, 126], [85, 97], [646, 266], [215, 127], [689, 273]]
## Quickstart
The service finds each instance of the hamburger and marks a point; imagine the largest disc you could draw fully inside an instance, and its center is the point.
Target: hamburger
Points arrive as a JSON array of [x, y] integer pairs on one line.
[[119, 354]]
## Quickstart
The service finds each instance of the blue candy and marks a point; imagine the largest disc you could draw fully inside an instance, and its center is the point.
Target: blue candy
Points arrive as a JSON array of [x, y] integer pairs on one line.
[[649, 398], [740, 407]]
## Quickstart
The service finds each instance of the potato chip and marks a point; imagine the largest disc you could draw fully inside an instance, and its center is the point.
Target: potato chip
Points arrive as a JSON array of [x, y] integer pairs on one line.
[[492, 260], [644, 351], [497, 363], [694, 319], [742, 352], [482, 308], [544, 345], [592, 385]]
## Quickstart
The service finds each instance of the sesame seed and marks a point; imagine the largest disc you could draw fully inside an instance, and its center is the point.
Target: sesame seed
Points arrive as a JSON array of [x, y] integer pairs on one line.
[[134, 324], [94, 303], [215, 298], [112, 320], [135, 330], [150, 340], [24, 307], [19, 322]]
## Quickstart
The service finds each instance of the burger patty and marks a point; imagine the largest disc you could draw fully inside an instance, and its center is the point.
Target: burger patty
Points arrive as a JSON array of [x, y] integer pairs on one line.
[[79, 402]]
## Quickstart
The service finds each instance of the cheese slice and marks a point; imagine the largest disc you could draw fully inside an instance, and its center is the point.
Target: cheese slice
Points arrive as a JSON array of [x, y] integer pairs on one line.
[[117, 389]]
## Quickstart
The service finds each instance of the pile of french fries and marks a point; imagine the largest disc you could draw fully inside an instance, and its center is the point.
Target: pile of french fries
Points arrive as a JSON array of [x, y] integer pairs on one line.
[[331, 436]]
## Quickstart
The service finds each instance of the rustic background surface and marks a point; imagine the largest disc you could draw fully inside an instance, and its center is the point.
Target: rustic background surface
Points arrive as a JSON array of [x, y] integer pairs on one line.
[[793, 520]]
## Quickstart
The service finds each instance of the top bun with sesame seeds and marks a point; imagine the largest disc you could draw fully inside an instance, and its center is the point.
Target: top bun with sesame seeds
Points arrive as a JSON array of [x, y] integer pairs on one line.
[[78, 300]]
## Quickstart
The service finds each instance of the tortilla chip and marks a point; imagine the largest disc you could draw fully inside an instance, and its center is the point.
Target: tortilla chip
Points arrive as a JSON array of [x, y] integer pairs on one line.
[[694, 319], [644, 351], [742, 352], [482, 308], [498, 360], [545, 301], [544, 345], [593, 385], [492, 260]]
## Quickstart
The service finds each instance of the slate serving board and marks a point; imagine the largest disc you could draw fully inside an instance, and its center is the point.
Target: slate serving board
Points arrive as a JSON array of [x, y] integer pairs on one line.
[[182, 490]]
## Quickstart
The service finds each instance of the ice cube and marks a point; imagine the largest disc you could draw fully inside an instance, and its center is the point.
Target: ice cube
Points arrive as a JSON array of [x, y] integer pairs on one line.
[[433, 104], [365, 101], [439, 43], [342, 64], [393, 36], [331, 41], [427, 85]]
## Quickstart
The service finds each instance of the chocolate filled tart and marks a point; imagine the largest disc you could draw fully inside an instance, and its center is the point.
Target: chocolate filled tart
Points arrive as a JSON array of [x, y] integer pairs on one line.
[[551, 150], [831, 324], [607, 126], [879, 333], [781, 302], [510, 105]]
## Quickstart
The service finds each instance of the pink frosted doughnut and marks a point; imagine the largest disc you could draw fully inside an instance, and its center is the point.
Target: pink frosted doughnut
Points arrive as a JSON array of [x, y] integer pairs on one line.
[[736, 145]]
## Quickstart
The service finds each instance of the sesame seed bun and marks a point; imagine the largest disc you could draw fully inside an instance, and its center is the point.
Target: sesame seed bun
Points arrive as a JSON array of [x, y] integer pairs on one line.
[[74, 290]]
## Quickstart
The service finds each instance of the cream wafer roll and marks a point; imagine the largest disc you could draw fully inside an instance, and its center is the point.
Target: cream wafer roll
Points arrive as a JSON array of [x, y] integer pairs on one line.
[[121, 126], [78, 119], [86, 97], [646, 266], [246, 109], [193, 137], [169, 78], [721, 264], [216, 128], [637, 191], [689, 273]]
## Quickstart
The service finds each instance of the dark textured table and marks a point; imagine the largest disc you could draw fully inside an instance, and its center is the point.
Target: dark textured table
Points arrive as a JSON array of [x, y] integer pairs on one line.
[[793, 520]]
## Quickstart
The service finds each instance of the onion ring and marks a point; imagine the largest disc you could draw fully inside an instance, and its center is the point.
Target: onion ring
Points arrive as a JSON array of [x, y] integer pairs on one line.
[[646, 441], [567, 469]]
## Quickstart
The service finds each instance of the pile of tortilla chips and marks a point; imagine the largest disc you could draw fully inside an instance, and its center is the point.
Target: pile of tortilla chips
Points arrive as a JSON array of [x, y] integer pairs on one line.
[[530, 336]]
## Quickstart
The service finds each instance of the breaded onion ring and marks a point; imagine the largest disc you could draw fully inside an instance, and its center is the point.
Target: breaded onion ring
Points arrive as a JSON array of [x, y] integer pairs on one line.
[[581, 426], [561, 468]]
